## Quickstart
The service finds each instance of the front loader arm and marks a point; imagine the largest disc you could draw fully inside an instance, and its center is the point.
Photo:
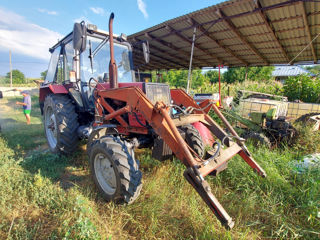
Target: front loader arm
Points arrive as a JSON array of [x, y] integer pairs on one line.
[[158, 117]]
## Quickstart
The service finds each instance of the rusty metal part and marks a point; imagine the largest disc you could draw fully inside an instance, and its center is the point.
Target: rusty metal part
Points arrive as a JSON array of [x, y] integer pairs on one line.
[[157, 116], [113, 72], [203, 188], [117, 113], [188, 156], [225, 121]]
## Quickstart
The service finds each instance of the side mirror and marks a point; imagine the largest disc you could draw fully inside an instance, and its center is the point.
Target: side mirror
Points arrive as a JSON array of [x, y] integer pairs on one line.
[[146, 51], [79, 36]]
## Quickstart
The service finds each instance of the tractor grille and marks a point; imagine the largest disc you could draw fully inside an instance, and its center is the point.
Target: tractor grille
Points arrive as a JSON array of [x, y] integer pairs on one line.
[[157, 92]]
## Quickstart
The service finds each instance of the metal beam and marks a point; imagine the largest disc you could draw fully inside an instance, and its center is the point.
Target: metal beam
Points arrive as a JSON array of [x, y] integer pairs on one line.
[[205, 32], [142, 64], [305, 19], [183, 38], [182, 60], [161, 51], [164, 61], [171, 46], [271, 7], [167, 60], [268, 24], [234, 29]]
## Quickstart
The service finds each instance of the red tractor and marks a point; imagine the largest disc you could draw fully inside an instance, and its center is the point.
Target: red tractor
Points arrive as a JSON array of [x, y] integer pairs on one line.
[[82, 97]]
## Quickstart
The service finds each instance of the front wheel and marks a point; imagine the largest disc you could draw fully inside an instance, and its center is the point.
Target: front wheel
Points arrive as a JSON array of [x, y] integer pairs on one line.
[[114, 169]]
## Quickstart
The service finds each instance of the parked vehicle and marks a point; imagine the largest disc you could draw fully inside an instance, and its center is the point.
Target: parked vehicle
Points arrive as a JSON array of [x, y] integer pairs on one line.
[[90, 92]]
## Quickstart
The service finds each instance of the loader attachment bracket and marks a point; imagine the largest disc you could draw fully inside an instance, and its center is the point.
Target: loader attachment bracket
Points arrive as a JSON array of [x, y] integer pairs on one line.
[[204, 190]]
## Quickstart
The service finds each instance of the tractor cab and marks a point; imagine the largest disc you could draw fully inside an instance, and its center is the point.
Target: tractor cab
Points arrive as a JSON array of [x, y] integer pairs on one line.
[[80, 60]]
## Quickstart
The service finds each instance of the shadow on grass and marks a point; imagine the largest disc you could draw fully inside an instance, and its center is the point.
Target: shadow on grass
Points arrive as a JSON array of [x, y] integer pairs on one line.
[[67, 170]]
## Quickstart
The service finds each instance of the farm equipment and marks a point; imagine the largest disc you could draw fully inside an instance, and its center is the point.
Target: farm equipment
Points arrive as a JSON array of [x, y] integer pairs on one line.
[[83, 98], [266, 122]]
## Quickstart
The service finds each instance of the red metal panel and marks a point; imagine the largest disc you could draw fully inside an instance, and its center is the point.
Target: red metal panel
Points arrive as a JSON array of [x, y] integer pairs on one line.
[[43, 92], [134, 122], [205, 133], [56, 89], [102, 86]]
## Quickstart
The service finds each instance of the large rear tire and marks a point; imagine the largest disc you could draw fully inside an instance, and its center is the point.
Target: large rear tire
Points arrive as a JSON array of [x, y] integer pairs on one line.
[[193, 139], [60, 123], [114, 169]]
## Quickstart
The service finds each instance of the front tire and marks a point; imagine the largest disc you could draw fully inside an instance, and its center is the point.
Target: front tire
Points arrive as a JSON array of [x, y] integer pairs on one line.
[[60, 123], [193, 139], [114, 169]]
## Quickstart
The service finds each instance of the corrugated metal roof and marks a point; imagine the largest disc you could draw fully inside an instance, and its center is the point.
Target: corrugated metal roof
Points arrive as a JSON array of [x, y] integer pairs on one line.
[[235, 33], [287, 71]]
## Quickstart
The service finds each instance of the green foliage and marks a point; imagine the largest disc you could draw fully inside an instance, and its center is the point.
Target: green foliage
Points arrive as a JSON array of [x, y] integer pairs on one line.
[[302, 87], [213, 76], [17, 77], [43, 74], [178, 78], [314, 69], [253, 74]]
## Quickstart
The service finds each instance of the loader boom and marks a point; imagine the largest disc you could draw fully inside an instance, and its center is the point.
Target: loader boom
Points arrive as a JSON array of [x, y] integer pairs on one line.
[[157, 115]]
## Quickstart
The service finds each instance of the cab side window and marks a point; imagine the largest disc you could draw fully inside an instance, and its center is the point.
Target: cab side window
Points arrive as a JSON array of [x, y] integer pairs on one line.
[[53, 65], [60, 76], [68, 59]]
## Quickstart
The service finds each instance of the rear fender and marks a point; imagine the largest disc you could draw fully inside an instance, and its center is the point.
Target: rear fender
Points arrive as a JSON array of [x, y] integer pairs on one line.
[[50, 89]]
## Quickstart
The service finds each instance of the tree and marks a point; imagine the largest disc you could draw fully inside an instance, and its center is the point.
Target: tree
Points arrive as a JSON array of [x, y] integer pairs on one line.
[[314, 69], [302, 87], [213, 76], [179, 78], [17, 77], [253, 73], [44, 74]]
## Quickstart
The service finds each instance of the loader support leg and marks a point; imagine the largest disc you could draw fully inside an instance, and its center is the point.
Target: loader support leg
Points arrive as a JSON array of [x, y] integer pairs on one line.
[[203, 188], [252, 163]]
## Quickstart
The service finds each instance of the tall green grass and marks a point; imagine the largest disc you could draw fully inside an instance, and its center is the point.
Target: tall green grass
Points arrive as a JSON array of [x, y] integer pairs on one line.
[[45, 196], [268, 86]]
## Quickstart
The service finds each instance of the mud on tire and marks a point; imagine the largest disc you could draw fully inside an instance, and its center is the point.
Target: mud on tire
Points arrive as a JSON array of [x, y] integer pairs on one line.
[[60, 123], [193, 139], [115, 170]]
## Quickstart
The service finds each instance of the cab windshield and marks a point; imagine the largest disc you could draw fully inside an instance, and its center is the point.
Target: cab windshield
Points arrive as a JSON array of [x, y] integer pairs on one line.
[[100, 61]]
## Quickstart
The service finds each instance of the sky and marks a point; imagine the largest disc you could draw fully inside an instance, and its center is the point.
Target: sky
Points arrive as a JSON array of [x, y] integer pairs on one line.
[[29, 28]]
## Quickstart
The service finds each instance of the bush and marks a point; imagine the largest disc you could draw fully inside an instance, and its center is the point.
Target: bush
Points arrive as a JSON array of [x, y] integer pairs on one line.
[[253, 73], [17, 77], [303, 87]]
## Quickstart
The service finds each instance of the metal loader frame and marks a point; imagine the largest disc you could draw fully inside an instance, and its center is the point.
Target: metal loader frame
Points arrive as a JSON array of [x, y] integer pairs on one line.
[[158, 116]]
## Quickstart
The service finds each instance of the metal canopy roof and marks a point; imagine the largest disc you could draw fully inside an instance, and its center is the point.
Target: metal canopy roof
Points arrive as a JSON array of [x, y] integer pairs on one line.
[[235, 33]]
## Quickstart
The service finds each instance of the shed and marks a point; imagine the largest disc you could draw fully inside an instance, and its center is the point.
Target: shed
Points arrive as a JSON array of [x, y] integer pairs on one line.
[[281, 73], [235, 33]]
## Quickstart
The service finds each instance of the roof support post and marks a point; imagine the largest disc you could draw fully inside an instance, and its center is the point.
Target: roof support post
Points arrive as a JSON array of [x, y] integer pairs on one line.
[[191, 56]]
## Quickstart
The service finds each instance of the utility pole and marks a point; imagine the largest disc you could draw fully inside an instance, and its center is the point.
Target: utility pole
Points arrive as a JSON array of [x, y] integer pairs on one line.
[[10, 68]]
